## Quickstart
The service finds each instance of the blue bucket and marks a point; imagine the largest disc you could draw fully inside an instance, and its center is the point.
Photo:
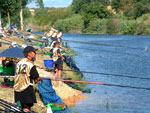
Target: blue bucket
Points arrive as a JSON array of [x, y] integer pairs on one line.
[[48, 63]]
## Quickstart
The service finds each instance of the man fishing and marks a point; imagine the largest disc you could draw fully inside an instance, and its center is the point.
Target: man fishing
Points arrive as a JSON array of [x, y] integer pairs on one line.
[[25, 76], [58, 59]]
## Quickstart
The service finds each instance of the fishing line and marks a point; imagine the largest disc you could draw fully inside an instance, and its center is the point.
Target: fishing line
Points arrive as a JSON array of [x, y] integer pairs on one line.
[[107, 57], [127, 86], [98, 44], [100, 50], [109, 74], [98, 83], [74, 81], [101, 44]]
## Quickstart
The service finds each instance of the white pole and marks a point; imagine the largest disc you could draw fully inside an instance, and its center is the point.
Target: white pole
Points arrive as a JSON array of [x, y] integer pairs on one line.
[[21, 18], [0, 19]]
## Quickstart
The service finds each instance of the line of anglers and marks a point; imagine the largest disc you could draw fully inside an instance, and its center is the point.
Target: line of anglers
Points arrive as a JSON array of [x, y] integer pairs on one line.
[[26, 73]]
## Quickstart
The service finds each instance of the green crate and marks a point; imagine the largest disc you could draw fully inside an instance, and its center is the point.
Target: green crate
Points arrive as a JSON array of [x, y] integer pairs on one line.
[[39, 44], [8, 70], [1, 69], [9, 83], [39, 38], [57, 107], [47, 54]]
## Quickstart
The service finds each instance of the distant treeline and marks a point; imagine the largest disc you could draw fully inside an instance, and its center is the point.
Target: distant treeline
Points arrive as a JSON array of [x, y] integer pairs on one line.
[[127, 17]]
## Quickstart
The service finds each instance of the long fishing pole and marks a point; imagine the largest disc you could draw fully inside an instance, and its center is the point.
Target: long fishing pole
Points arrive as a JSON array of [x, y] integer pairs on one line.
[[98, 83], [10, 106], [101, 44], [107, 57], [97, 44], [110, 74], [103, 56], [100, 50], [107, 74]]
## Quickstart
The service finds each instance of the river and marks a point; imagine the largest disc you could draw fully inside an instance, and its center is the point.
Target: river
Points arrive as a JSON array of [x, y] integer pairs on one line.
[[117, 60], [122, 62]]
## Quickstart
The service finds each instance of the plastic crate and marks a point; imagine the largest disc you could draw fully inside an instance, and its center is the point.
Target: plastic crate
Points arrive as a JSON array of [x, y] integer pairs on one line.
[[57, 107], [8, 71], [39, 44], [1, 69]]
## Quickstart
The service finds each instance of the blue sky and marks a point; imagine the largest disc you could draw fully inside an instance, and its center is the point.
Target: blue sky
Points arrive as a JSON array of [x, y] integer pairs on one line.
[[52, 3]]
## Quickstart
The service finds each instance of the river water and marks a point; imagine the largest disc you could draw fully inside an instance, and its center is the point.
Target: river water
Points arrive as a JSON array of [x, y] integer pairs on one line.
[[117, 60]]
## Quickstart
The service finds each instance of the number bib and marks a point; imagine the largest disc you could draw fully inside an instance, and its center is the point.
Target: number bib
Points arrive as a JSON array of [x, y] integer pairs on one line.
[[22, 80]]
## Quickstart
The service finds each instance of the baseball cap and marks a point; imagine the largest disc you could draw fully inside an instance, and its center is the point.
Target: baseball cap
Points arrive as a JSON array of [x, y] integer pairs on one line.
[[29, 49]]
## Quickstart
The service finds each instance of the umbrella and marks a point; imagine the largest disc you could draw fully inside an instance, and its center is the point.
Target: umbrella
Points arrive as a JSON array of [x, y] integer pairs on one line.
[[14, 52]]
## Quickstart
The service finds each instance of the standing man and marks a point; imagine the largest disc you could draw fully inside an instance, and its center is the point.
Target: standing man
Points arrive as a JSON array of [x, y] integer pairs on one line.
[[58, 59], [26, 74], [59, 36]]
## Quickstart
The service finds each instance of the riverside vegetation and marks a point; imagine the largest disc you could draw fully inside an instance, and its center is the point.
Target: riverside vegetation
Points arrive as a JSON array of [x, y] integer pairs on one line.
[[121, 17]]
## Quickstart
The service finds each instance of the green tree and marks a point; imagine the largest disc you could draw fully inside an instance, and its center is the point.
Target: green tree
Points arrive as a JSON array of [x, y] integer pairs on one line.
[[39, 3], [77, 4], [138, 10], [122, 5], [43, 17], [73, 24], [97, 26], [93, 11], [115, 4], [113, 26], [9, 8]]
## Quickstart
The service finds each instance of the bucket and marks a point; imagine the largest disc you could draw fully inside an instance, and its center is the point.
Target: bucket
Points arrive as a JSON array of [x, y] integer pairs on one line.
[[39, 44], [48, 63]]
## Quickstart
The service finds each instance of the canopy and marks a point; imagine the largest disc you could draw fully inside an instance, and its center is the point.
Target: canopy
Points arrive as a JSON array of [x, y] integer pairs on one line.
[[14, 52]]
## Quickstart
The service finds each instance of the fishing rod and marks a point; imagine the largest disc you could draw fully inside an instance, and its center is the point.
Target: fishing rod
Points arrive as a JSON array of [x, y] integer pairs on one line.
[[107, 74], [6, 40], [110, 74], [130, 47], [101, 44], [107, 57], [17, 43], [5, 43], [98, 83], [12, 107], [100, 50]]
